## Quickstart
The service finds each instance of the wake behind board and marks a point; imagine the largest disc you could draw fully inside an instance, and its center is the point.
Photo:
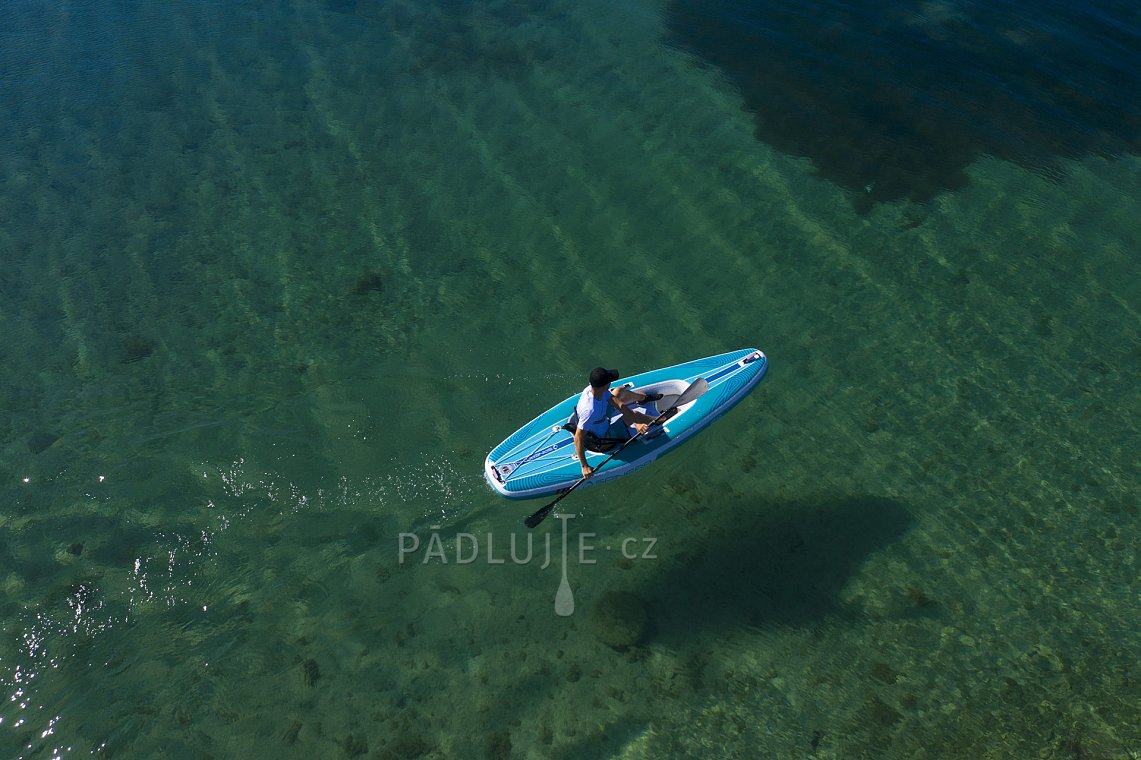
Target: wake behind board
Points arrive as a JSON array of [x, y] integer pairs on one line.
[[539, 458]]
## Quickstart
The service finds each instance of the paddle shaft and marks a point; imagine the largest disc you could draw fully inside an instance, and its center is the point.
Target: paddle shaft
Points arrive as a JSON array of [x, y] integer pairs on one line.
[[684, 398], [541, 515]]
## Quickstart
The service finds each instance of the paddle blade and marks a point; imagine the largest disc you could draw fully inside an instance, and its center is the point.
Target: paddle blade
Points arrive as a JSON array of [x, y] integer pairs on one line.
[[540, 515], [692, 393]]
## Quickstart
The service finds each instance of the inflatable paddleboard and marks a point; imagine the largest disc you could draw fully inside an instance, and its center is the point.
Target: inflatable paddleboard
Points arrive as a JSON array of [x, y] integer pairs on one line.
[[539, 458]]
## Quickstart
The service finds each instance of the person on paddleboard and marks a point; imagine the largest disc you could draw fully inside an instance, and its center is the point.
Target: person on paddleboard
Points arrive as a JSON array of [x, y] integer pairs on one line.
[[594, 413]]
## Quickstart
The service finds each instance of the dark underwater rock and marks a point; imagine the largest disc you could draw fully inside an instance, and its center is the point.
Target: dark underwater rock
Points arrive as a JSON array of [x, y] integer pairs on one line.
[[136, 349], [41, 441], [367, 283], [311, 671], [355, 745], [618, 619]]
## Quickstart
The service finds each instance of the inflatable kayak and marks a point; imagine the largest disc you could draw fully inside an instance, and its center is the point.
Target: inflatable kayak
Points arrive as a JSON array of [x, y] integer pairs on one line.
[[539, 458]]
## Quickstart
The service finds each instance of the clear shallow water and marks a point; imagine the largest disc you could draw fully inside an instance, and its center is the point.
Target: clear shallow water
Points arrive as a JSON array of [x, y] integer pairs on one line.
[[276, 279]]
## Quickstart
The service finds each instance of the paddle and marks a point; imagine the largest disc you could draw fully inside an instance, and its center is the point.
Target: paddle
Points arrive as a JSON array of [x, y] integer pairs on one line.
[[691, 393]]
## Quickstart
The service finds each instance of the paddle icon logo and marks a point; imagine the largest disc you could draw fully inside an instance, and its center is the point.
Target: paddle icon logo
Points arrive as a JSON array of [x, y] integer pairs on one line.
[[630, 548], [564, 597]]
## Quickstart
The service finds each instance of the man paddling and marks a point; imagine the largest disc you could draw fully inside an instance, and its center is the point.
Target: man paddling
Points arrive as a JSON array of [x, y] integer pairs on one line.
[[594, 411]]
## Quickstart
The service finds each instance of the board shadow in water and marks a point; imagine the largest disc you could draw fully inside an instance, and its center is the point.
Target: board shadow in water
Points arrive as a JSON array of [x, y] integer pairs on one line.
[[782, 566], [894, 100]]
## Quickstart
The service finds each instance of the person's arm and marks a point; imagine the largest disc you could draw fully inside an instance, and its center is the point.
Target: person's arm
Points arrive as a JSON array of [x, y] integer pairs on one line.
[[580, 449]]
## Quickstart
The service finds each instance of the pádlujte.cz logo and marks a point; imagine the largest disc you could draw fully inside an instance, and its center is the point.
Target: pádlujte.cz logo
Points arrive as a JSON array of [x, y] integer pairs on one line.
[[520, 549]]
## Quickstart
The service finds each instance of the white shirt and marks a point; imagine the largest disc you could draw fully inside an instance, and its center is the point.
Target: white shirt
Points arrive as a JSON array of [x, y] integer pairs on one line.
[[594, 414]]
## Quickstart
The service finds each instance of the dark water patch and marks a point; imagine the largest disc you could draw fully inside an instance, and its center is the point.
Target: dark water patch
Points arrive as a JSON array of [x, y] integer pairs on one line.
[[785, 570], [893, 100]]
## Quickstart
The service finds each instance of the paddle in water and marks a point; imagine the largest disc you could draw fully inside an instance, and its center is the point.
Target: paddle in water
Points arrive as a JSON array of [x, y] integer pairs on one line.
[[691, 393]]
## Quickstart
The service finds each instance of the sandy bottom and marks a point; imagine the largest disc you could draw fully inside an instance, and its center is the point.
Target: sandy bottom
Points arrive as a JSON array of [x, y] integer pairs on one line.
[[263, 325]]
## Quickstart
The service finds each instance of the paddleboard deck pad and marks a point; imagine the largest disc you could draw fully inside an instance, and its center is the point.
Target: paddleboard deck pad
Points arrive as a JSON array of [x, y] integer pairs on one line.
[[539, 458]]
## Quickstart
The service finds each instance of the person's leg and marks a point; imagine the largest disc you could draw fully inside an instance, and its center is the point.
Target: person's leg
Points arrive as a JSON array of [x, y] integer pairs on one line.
[[629, 396], [637, 420]]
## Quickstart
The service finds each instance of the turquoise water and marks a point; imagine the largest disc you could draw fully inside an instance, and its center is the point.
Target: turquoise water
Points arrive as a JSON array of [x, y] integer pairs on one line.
[[276, 277]]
